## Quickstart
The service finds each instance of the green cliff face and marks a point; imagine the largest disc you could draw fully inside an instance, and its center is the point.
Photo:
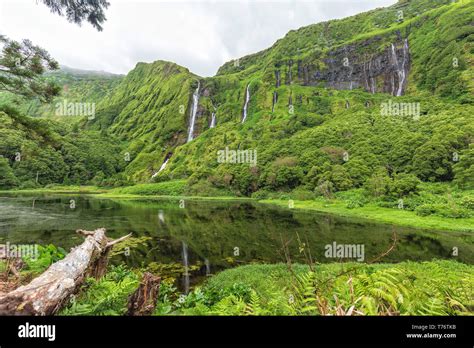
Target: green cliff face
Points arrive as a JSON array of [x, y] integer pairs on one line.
[[316, 107], [381, 95]]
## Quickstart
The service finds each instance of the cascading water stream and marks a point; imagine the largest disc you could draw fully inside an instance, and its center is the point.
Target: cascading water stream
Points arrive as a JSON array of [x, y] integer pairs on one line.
[[275, 99], [186, 268], [163, 166], [247, 99], [401, 73], [277, 77], [208, 267], [213, 120], [194, 109]]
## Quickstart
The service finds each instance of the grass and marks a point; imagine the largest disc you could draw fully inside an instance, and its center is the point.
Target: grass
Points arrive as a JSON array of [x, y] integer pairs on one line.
[[436, 287], [414, 288], [61, 189], [386, 215]]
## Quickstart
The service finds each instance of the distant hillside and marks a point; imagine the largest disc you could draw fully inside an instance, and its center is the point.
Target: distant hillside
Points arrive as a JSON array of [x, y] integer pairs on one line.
[[81, 86]]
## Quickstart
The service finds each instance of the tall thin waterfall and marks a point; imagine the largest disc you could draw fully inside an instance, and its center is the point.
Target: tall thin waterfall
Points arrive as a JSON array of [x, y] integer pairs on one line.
[[277, 78], [194, 109], [213, 120], [247, 99], [401, 73], [186, 268], [208, 267], [275, 99]]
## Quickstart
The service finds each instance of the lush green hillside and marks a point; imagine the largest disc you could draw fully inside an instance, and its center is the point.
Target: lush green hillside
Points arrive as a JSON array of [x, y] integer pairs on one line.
[[380, 101], [38, 152], [77, 86], [301, 140]]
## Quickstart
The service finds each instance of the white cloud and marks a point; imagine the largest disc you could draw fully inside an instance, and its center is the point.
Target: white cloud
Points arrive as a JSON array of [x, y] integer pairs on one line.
[[200, 35]]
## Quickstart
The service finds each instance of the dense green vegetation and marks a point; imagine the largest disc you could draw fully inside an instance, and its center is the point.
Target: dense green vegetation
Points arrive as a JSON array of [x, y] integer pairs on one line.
[[315, 139], [318, 146], [427, 288], [38, 152]]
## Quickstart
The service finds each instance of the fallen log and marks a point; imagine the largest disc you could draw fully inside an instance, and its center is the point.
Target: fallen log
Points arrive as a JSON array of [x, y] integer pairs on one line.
[[143, 300], [47, 293]]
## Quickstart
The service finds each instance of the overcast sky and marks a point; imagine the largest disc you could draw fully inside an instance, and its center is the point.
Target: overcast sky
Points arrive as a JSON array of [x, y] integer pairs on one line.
[[200, 35]]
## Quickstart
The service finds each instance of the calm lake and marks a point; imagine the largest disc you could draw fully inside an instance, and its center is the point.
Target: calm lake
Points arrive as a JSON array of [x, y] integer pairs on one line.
[[203, 237]]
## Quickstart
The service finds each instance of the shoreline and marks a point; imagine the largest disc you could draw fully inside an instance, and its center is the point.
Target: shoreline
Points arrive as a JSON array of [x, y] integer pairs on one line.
[[369, 212]]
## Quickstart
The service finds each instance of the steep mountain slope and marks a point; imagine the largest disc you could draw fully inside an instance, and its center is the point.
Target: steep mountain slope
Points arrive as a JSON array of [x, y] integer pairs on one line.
[[313, 96], [78, 86]]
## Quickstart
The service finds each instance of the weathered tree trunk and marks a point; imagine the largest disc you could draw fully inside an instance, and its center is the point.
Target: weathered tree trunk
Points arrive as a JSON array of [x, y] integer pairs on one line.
[[143, 300], [47, 293]]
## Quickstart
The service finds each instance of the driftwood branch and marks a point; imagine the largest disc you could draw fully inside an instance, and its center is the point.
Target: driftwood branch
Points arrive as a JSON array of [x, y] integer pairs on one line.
[[47, 293], [143, 300], [112, 243]]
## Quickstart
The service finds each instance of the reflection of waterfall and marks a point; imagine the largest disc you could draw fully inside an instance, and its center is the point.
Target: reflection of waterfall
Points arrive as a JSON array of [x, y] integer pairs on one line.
[[213, 120], [208, 267], [161, 216], [186, 268], [247, 99], [400, 68], [275, 99], [194, 109]]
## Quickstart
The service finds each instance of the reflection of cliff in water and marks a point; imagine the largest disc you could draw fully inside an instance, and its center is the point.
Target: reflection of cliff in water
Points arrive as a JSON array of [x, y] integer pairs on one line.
[[212, 230], [210, 236]]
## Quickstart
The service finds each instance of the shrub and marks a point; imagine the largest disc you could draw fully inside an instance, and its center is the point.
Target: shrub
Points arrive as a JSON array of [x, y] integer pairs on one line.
[[404, 184], [302, 194], [453, 212], [260, 194], [354, 204], [29, 184], [468, 202], [425, 209]]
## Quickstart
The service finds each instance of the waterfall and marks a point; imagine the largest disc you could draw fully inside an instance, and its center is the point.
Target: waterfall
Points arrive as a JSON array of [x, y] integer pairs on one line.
[[163, 166], [349, 75], [208, 267], [186, 268], [193, 113], [290, 77], [247, 99], [213, 120], [400, 69], [275, 98], [372, 80], [277, 76], [373, 85]]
